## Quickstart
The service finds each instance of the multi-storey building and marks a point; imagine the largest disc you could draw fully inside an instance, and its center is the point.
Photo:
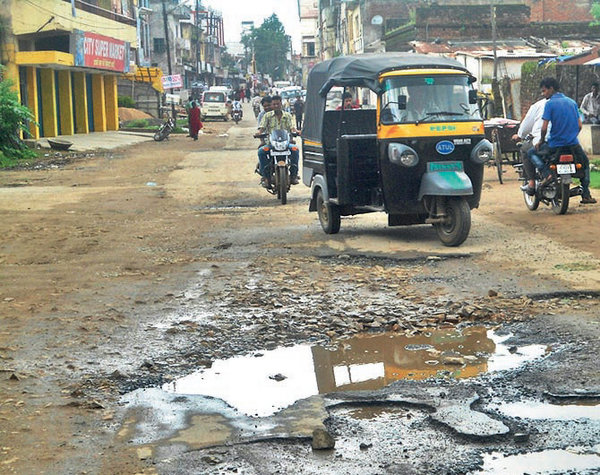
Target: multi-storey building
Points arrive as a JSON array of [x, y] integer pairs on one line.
[[65, 56]]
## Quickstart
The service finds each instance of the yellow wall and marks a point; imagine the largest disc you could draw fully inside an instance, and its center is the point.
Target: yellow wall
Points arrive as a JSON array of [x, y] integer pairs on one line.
[[98, 99], [82, 125], [48, 87], [32, 94], [28, 17], [111, 99], [67, 127]]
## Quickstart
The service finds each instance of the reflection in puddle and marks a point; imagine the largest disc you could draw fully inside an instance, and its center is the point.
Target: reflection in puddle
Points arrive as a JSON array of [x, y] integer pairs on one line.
[[263, 384], [558, 412], [545, 462]]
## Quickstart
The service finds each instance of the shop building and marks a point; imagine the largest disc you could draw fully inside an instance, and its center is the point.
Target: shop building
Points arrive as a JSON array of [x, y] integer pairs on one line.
[[66, 56]]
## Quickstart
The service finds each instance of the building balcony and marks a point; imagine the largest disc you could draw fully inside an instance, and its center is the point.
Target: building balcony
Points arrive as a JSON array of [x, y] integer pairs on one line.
[[91, 6]]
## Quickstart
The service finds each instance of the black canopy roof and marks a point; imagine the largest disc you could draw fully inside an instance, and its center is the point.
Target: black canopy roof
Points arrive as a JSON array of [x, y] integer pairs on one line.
[[361, 70]]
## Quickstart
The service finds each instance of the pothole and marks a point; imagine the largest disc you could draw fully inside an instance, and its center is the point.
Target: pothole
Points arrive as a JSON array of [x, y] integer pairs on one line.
[[266, 382], [544, 411], [545, 462]]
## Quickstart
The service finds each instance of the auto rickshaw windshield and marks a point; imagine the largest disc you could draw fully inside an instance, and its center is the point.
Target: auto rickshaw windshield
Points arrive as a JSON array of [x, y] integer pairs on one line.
[[435, 98]]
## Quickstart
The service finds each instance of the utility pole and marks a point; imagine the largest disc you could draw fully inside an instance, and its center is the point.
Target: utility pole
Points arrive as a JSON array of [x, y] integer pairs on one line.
[[168, 45], [197, 40], [493, 18]]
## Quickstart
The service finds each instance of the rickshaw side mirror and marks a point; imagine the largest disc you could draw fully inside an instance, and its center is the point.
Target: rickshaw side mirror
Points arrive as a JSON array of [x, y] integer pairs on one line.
[[473, 96], [402, 102]]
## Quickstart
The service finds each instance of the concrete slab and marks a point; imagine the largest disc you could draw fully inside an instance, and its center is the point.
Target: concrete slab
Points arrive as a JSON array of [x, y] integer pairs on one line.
[[99, 140]]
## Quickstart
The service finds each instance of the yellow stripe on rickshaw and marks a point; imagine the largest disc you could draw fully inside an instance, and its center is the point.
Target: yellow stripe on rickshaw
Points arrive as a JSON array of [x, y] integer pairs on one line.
[[313, 144], [428, 129], [422, 72]]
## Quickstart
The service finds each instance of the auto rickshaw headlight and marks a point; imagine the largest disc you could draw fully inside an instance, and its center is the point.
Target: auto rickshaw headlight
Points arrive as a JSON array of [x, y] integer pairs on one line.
[[401, 154], [482, 152]]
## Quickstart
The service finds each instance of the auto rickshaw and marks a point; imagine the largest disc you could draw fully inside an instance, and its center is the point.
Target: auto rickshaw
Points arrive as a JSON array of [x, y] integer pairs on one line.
[[417, 153]]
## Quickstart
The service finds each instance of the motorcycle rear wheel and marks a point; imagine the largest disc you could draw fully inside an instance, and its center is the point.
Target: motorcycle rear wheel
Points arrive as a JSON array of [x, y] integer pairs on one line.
[[560, 204]]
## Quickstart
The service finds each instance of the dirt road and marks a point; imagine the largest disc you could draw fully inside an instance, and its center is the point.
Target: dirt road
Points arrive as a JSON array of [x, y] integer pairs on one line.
[[129, 269]]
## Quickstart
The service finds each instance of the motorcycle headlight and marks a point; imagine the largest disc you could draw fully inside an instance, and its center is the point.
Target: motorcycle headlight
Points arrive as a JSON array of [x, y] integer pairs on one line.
[[279, 146], [482, 152], [401, 154]]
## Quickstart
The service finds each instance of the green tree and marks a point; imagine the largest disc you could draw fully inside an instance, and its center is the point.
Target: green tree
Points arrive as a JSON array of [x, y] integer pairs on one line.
[[595, 12], [13, 118], [270, 45]]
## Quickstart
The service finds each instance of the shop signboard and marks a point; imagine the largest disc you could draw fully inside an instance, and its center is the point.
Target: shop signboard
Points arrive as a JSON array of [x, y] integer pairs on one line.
[[172, 82], [92, 50]]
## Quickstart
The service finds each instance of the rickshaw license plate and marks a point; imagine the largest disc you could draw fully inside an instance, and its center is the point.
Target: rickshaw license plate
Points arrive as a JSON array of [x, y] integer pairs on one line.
[[565, 168], [445, 167]]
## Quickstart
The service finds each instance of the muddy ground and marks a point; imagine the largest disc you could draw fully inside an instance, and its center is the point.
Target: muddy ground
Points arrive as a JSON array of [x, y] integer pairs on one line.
[[124, 271]]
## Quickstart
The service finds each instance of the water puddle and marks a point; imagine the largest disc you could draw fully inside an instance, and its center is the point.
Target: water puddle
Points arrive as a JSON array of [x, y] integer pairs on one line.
[[557, 412], [545, 462], [264, 383]]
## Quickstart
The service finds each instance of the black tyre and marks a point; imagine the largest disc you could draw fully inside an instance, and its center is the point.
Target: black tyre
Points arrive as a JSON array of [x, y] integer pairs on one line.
[[532, 202], [456, 229], [560, 204], [329, 215], [282, 182], [159, 136]]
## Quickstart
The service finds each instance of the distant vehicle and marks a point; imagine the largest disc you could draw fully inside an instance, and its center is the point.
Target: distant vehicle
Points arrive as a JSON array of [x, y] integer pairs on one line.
[[214, 104], [290, 94], [226, 89], [281, 84]]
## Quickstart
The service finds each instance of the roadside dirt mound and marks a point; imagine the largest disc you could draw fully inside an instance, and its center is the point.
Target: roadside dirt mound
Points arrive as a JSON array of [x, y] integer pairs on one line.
[[128, 113]]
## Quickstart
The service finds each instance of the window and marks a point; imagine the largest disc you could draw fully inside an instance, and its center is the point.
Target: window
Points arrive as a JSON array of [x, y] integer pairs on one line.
[[159, 45], [437, 98], [310, 49]]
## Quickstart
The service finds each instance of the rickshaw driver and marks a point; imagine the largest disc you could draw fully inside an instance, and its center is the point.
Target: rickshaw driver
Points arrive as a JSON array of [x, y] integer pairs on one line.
[[419, 104], [277, 119]]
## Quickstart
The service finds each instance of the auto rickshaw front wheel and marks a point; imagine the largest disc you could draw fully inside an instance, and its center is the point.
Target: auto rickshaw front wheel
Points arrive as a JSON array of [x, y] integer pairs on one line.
[[455, 228], [329, 215]]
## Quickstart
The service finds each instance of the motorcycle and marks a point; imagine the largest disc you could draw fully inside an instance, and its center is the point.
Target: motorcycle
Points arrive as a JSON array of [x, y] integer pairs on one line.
[[237, 115], [164, 130], [555, 193], [279, 154]]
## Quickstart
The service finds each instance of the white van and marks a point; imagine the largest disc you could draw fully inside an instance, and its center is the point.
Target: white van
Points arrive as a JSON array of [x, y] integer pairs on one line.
[[214, 105]]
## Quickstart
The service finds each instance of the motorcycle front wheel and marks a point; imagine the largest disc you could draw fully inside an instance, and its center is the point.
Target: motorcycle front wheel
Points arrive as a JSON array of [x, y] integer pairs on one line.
[[159, 135], [282, 182], [532, 202], [560, 203], [455, 229]]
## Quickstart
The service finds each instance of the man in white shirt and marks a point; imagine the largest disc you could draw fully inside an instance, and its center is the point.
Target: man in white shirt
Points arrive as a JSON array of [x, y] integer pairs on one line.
[[590, 106], [531, 126]]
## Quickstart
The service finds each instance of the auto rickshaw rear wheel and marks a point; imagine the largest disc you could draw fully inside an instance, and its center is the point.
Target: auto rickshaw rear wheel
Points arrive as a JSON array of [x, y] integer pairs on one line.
[[329, 215], [455, 228]]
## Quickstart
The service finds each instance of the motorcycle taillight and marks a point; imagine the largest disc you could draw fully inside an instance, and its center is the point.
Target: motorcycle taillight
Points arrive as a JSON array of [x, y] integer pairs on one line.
[[565, 158]]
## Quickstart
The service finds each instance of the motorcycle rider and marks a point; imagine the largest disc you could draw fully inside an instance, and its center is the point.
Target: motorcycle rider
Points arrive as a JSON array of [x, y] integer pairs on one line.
[[531, 126], [237, 106], [563, 113], [266, 105], [276, 119]]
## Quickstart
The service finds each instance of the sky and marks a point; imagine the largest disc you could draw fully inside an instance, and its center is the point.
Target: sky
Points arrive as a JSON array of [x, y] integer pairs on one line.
[[236, 11]]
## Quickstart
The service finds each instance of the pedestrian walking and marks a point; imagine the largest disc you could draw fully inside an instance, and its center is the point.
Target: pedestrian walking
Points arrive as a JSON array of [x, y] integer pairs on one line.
[[194, 118], [299, 112]]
